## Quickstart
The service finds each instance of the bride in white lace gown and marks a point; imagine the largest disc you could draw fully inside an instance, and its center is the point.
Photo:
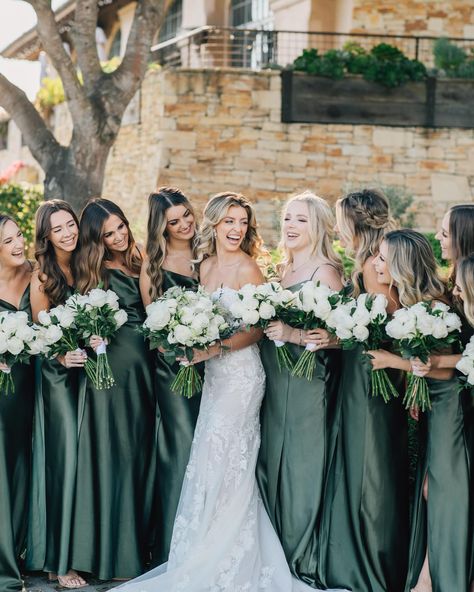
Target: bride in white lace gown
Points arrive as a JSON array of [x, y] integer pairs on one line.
[[223, 540]]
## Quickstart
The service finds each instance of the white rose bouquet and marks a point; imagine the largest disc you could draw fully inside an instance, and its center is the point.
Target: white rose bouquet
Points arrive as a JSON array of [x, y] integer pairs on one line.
[[17, 344], [363, 321], [418, 330], [256, 306], [60, 333], [310, 309], [98, 313], [466, 365], [180, 321]]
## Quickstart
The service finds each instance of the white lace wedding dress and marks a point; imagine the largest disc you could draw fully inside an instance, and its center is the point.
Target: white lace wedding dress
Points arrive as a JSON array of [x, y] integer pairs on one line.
[[223, 540]]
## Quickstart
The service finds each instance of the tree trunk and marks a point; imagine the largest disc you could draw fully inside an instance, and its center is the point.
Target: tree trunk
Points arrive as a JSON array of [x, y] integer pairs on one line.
[[78, 175]]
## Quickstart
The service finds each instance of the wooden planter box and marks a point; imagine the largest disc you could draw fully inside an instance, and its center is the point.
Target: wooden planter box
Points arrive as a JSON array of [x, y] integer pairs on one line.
[[353, 100]]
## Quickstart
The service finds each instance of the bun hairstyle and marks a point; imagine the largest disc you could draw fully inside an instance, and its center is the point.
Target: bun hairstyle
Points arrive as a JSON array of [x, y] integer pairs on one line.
[[54, 281], [364, 218], [92, 254], [156, 246], [412, 265], [215, 211]]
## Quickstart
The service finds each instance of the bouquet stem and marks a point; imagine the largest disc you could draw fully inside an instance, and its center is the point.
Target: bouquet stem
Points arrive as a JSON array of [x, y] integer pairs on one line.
[[381, 385], [283, 356], [7, 386], [305, 365], [104, 376], [188, 381], [417, 393]]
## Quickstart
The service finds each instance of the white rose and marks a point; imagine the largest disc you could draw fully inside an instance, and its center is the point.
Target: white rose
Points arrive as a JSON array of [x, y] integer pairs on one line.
[[322, 309], [10, 324], [248, 291], [3, 343], [361, 315], [182, 334], [53, 334], [120, 317], [452, 321], [250, 317], [36, 347], [200, 321], [465, 365], [379, 307], [395, 329], [25, 333], [439, 329], [267, 311], [425, 324], [343, 333], [186, 314], [158, 316], [44, 318], [112, 299], [97, 298], [441, 306], [361, 333], [15, 345], [67, 318]]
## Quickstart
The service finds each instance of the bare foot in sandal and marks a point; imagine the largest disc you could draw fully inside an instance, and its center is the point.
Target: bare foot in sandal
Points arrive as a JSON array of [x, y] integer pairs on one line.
[[71, 580]]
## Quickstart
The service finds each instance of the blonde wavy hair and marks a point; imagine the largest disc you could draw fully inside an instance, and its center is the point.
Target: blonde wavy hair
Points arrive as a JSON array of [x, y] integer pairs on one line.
[[364, 218], [215, 211], [412, 265], [465, 279], [156, 246], [320, 227]]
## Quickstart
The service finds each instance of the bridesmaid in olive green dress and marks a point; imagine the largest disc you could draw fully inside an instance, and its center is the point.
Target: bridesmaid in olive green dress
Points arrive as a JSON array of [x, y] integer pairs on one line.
[[440, 519], [56, 407], [365, 517], [115, 466], [298, 417], [171, 230], [16, 413]]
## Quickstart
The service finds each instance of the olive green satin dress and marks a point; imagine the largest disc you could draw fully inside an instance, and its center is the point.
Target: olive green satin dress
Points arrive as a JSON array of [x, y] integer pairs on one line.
[[178, 416], [16, 417], [365, 524], [116, 464], [54, 466], [298, 431], [441, 523]]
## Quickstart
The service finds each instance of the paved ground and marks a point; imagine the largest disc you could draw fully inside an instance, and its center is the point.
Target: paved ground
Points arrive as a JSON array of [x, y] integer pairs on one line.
[[38, 583]]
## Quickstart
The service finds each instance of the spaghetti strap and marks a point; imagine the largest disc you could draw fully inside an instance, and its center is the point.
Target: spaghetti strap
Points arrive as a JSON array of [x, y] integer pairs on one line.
[[319, 267]]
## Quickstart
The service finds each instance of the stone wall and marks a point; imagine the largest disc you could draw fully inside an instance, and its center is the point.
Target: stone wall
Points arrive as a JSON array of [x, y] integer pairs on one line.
[[450, 18], [215, 130]]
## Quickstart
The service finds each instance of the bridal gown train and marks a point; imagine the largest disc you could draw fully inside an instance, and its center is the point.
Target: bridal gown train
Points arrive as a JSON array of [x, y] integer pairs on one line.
[[223, 540]]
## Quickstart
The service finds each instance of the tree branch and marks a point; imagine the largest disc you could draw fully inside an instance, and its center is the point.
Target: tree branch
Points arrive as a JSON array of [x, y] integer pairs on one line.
[[127, 78], [48, 32], [83, 34], [43, 145]]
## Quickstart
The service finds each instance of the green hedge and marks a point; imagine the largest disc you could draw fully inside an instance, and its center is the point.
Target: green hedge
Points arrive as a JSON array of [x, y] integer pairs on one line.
[[21, 202]]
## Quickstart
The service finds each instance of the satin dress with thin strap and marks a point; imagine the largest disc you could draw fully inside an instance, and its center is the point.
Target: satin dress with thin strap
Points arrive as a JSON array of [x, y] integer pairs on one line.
[[16, 418], [299, 426], [54, 466], [116, 448], [365, 522], [175, 431]]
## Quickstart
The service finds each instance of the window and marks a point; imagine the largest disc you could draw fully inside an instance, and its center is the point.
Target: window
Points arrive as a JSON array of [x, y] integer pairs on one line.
[[173, 22], [253, 47], [3, 135], [250, 13]]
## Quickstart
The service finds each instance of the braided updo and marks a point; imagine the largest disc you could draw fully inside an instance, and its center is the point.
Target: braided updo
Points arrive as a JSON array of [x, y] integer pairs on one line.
[[363, 218]]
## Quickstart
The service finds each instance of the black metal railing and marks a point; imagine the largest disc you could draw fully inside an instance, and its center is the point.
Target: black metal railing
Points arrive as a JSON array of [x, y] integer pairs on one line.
[[224, 47]]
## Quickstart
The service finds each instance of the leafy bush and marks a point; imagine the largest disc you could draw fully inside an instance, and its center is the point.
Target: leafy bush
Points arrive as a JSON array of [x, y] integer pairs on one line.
[[453, 61], [21, 202], [384, 64]]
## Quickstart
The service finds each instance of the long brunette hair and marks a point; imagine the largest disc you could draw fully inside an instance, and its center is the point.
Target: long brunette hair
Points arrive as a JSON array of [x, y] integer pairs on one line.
[[92, 254], [156, 245], [54, 281]]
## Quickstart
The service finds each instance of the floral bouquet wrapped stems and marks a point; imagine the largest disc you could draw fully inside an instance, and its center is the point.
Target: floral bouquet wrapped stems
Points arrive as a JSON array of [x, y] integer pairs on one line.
[[17, 344], [256, 306], [466, 366], [60, 333], [417, 331], [312, 306], [363, 321], [98, 313], [180, 321]]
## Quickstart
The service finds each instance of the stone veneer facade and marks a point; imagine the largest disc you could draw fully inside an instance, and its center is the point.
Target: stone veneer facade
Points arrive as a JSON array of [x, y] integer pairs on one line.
[[215, 130]]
